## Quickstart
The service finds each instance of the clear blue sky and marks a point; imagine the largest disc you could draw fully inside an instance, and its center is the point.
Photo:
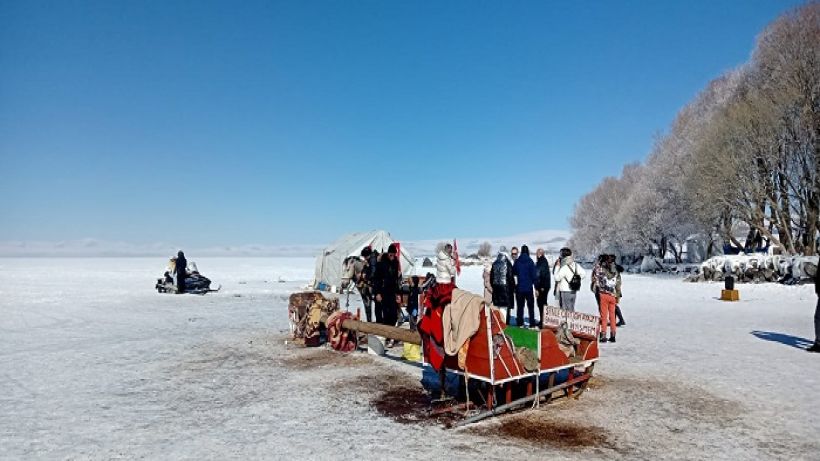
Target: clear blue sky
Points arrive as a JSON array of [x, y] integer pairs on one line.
[[292, 122]]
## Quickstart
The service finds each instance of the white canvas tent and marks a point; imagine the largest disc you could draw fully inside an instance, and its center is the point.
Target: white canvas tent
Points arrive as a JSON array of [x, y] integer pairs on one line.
[[329, 262]]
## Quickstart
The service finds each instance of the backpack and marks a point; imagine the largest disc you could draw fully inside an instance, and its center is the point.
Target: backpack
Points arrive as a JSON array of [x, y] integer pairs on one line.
[[575, 281], [499, 273]]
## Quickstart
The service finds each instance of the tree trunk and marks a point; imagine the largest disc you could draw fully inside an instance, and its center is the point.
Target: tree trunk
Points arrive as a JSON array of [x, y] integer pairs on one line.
[[675, 252], [662, 247], [710, 247], [784, 213], [811, 232], [727, 232], [774, 241]]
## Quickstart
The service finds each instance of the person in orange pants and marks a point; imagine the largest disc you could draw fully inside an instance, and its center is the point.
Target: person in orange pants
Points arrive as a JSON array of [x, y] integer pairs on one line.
[[608, 303], [609, 287]]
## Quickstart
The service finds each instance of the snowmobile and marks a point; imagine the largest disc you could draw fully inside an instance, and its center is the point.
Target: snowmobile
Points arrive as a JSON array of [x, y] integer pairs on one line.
[[195, 283]]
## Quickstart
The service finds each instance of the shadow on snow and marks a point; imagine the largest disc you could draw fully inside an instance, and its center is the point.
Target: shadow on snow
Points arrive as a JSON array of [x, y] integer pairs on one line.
[[782, 338]]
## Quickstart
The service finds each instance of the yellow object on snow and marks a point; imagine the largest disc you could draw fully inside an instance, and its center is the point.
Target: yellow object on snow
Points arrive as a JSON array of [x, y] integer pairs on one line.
[[411, 352], [729, 295]]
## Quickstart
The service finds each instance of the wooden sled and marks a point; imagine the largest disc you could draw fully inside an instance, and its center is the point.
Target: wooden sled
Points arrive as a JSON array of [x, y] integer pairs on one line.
[[493, 366], [493, 374]]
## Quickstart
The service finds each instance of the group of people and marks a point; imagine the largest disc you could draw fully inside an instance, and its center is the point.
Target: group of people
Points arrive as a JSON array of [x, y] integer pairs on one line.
[[516, 281], [378, 279], [513, 281]]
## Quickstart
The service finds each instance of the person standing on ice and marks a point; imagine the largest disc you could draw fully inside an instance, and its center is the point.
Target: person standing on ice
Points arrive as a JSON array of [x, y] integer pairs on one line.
[[542, 280], [488, 281], [568, 280], [181, 270], [593, 284], [602, 259], [524, 270], [386, 281], [501, 279], [361, 270], [513, 259], [445, 266], [413, 302], [620, 269], [816, 346], [609, 289]]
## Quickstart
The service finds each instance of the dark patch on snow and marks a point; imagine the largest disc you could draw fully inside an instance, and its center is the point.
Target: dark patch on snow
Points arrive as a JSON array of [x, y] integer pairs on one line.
[[306, 359], [598, 382], [399, 396], [541, 428], [404, 404]]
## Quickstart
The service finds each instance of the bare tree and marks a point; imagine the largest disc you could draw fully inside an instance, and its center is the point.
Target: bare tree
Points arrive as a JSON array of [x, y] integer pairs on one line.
[[744, 154], [485, 250]]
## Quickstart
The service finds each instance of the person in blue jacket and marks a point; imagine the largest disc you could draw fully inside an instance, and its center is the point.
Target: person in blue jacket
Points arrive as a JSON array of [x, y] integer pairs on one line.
[[524, 270]]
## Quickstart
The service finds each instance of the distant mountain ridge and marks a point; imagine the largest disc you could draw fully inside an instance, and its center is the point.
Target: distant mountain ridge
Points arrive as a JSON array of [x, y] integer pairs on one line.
[[551, 240]]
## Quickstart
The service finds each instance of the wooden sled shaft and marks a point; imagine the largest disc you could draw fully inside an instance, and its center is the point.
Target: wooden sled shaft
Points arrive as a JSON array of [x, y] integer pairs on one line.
[[389, 332]]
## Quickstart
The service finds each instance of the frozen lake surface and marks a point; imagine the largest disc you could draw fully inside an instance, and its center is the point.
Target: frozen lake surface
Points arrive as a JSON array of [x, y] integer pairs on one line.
[[95, 364]]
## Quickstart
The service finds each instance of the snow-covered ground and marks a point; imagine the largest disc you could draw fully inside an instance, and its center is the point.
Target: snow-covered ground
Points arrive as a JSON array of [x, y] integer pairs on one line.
[[95, 364]]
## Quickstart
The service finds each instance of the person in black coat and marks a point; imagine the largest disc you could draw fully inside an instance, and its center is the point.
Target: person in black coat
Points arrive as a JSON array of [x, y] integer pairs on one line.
[[543, 280], [816, 346], [503, 283], [386, 283], [180, 269], [413, 302], [620, 269]]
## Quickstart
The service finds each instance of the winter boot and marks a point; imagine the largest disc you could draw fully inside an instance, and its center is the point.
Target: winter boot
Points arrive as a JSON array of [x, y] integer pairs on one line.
[[612, 338], [814, 347], [602, 338]]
